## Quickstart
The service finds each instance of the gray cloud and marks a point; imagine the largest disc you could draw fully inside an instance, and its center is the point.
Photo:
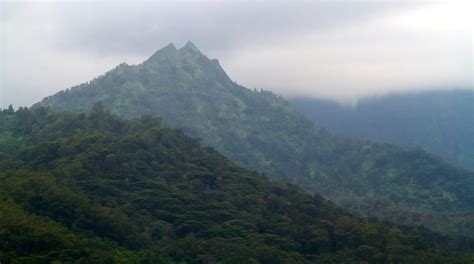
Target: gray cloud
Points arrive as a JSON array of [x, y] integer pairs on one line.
[[141, 28], [334, 50]]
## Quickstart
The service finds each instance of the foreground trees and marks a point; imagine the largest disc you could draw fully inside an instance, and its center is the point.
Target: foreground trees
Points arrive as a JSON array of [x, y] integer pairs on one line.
[[93, 188]]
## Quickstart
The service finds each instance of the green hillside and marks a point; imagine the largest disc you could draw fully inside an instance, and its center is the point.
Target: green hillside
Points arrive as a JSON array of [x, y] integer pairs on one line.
[[93, 188], [262, 132]]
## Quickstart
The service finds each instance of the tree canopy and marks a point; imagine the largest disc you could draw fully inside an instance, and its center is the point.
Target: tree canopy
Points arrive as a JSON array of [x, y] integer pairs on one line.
[[262, 132], [93, 188]]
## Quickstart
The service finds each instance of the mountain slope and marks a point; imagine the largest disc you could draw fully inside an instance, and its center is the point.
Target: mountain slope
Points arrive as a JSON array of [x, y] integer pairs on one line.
[[261, 131], [441, 122], [96, 189]]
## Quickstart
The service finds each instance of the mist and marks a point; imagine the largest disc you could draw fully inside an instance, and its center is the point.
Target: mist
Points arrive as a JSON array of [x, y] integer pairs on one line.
[[341, 50]]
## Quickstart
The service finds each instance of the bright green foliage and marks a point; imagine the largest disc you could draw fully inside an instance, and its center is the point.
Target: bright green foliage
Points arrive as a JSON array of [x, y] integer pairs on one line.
[[93, 188], [262, 132], [441, 122]]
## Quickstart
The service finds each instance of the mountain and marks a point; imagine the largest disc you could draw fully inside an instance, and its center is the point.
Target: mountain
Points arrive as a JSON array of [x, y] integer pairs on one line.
[[440, 122], [262, 132], [93, 188]]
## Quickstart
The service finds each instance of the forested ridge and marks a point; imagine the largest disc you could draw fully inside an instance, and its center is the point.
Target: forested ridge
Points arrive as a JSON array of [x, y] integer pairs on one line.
[[93, 188], [262, 132], [441, 122]]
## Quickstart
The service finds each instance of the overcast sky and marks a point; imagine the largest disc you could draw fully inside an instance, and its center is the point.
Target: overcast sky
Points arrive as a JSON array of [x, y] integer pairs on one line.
[[340, 50]]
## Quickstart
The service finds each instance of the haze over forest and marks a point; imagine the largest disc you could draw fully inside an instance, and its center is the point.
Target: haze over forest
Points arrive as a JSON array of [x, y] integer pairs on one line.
[[236, 132]]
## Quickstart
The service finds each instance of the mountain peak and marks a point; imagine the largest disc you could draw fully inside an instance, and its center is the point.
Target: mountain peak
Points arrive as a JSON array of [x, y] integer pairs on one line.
[[167, 51], [168, 48], [190, 47], [170, 53], [190, 61]]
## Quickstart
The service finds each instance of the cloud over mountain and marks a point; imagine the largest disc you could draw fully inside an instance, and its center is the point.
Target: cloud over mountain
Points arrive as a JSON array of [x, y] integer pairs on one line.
[[335, 50]]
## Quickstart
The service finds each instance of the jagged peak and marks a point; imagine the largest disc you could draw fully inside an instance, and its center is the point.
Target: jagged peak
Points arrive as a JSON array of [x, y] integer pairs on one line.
[[170, 47], [167, 50], [190, 47], [188, 55]]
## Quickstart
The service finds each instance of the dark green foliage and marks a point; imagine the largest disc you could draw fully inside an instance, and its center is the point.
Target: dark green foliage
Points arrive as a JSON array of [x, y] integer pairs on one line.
[[262, 132], [441, 122], [28, 238], [92, 188]]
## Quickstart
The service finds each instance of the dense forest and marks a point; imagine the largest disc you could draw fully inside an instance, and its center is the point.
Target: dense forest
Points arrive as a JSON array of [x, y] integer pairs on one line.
[[441, 122], [262, 132], [93, 188]]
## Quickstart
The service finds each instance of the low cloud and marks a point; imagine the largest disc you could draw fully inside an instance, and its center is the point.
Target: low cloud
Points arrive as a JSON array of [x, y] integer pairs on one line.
[[338, 50]]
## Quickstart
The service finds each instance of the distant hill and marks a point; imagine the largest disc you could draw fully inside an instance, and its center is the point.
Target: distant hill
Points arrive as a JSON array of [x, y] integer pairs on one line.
[[262, 132], [93, 188], [440, 122]]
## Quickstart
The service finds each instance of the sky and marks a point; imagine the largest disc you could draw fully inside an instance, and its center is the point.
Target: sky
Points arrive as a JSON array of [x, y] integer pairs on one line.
[[341, 50]]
